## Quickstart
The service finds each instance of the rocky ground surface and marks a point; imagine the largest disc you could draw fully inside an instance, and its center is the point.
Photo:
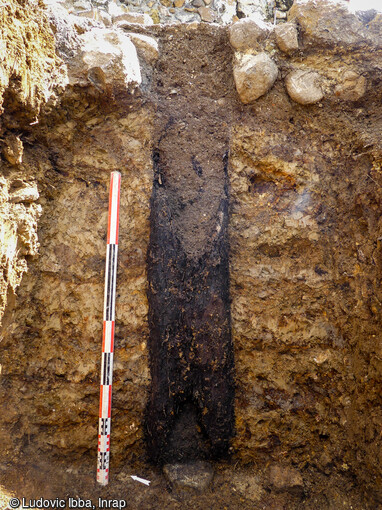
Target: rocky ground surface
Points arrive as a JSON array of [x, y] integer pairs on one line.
[[299, 107]]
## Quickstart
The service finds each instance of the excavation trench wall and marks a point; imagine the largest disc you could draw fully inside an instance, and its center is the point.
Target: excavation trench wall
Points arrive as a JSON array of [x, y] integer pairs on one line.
[[303, 185]]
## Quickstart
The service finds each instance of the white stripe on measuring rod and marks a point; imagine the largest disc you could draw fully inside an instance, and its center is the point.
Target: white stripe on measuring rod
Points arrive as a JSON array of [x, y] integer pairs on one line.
[[104, 443], [105, 401], [108, 336], [114, 210]]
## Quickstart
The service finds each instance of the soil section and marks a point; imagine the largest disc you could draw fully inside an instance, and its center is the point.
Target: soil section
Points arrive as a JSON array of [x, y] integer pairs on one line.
[[305, 273]]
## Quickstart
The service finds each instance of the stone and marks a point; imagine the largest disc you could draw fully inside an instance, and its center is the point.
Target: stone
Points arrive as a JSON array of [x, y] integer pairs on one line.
[[133, 17], [352, 87], [304, 86], [116, 9], [280, 14], [198, 3], [206, 14], [193, 475], [179, 3], [287, 37], [367, 16], [104, 17], [246, 33], [186, 17], [327, 23], [96, 14], [163, 12], [63, 26], [247, 485], [82, 5], [27, 193], [254, 76], [155, 16], [250, 8], [226, 10], [107, 59], [145, 45], [13, 149], [285, 478], [284, 6]]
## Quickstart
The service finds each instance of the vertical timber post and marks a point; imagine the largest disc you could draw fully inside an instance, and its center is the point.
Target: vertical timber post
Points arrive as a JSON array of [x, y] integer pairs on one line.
[[108, 332]]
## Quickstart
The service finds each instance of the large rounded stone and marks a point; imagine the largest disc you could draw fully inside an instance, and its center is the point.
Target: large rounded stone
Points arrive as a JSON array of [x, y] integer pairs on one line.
[[247, 33], [254, 76], [304, 86]]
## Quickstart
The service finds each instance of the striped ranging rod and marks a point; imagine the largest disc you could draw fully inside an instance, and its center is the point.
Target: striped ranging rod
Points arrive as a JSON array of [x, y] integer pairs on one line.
[[108, 332]]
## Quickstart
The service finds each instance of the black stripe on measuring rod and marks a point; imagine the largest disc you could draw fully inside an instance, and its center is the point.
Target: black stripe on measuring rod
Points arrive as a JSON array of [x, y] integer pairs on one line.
[[107, 278], [105, 426], [106, 368], [108, 375], [110, 282], [103, 460]]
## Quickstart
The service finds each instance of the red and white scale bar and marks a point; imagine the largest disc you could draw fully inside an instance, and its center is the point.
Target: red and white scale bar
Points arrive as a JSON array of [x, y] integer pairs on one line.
[[108, 332]]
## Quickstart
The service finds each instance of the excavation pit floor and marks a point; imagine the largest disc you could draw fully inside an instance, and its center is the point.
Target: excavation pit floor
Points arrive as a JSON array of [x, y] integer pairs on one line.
[[233, 487]]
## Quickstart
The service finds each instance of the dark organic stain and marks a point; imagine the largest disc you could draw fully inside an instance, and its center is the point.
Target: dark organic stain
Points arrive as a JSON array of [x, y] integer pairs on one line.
[[53, 158], [258, 184], [320, 271], [190, 410], [158, 177], [196, 166], [269, 250], [190, 413]]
